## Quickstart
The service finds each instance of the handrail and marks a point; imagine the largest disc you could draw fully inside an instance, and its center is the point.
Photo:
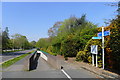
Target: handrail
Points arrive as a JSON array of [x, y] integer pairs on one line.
[[44, 52]]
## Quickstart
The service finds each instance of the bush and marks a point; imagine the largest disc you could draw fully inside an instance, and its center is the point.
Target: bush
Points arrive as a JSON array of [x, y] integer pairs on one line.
[[89, 59], [99, 63], [66, 58], [68, 47], [82, 56]]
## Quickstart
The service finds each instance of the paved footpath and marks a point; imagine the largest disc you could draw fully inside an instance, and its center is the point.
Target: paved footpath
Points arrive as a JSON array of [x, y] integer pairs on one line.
[[44, 70]]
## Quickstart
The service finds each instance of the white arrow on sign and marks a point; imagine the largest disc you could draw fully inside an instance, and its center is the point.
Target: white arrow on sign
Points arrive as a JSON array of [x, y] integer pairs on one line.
[[94, 49]]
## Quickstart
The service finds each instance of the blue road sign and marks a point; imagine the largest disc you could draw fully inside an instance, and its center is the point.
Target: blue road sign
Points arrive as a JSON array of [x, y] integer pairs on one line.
[[94, 49], [100, 34], [106, 33], [96, 37]]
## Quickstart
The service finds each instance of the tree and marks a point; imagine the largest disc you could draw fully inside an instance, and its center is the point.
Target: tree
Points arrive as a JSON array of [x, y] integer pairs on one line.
[[0, 39], [115, 41], [20, 41], [33, 43], [70, 36], [43, 43], [118, 9], [5, 39], [53, 31]]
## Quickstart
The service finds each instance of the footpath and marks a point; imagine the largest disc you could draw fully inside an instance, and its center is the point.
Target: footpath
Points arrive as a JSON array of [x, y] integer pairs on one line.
[[98, 71]]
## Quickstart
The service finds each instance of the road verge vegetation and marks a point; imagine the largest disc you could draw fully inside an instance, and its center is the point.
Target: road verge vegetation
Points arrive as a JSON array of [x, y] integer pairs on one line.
[[12, 61]]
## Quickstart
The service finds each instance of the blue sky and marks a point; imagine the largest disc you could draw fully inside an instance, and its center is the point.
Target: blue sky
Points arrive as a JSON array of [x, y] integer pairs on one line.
[[33, 19]]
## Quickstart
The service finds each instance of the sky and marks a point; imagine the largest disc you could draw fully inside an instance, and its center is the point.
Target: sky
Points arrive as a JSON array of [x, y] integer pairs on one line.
[[59, 0], [33, 19]]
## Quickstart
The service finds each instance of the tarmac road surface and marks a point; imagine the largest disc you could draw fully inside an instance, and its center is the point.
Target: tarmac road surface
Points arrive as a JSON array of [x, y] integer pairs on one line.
[[45, 70]]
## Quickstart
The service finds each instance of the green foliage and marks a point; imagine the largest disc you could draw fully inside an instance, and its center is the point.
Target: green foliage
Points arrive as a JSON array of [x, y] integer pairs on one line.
[[82, 56], [53, 31], [115, 42], [6, 43], [89, 59], [85, 55], [68, 37], [99, 62], [20, 42], [68, 47], [32, 44], [43, 43], [50, 50]]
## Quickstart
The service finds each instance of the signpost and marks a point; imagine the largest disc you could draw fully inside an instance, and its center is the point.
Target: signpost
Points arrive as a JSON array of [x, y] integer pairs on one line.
[[103, 46], [101, 36], [93, 59], [94, 50], [106, 33], [96, 37]]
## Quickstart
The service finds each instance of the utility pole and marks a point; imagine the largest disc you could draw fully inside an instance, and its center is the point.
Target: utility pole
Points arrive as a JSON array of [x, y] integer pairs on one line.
[[103, 45]]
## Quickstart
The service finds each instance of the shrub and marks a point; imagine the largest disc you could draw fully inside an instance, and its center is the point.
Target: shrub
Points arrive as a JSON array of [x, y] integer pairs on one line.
[[89, 59], [66, 58], [82, 56], [99, 63], [68, 47]]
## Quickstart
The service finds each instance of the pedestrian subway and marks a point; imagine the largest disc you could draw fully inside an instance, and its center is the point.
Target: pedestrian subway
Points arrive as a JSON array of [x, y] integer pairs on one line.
[[50, 59], [33, 61]]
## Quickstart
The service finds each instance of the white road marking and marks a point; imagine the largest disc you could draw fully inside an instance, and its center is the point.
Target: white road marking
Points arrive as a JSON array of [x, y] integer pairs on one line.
[[66, 74]]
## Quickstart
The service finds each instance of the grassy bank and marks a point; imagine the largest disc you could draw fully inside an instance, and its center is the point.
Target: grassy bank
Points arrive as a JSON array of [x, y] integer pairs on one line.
[[12, 61]]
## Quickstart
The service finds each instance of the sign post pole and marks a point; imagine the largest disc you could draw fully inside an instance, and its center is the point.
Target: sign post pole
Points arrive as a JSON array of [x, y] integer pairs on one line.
[[96, 55], [96, 61], [93, 59], [103, 46]]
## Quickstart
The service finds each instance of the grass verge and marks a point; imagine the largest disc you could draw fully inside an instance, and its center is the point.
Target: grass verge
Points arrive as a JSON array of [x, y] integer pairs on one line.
[[12, 61]]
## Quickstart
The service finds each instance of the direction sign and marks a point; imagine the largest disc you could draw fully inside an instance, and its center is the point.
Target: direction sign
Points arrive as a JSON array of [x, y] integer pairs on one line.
[[100, 34], [94, 49], [106, 33], [96, 37]]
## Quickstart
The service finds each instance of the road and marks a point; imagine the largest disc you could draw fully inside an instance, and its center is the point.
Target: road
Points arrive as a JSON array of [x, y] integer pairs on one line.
[[7, 56], [45, 70]]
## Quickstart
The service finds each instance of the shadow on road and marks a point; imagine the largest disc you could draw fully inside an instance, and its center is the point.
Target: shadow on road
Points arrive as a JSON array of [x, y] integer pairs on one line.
[[33, 61]]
